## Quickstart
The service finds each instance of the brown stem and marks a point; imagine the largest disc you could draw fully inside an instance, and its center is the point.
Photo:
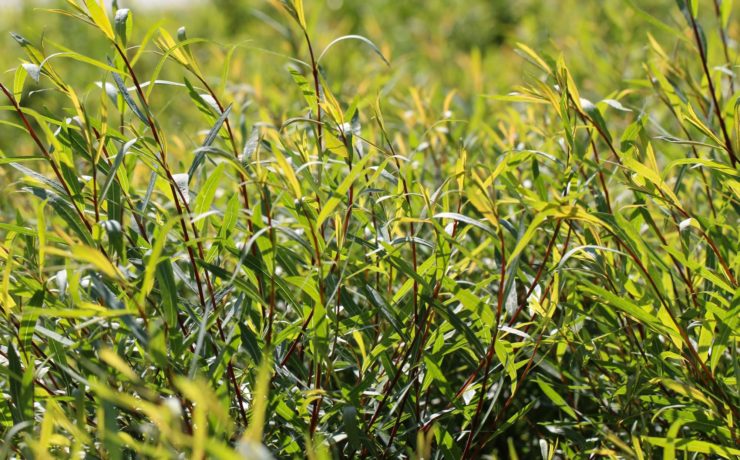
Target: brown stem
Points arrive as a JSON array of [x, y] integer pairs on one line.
[[177, 198], [492, 346], [712, 92], [317, 87], [725, 47], [47, 155], [317, 263]]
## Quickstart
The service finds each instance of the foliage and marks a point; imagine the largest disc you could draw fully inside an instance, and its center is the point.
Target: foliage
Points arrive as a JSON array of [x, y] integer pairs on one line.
[[327, 251]]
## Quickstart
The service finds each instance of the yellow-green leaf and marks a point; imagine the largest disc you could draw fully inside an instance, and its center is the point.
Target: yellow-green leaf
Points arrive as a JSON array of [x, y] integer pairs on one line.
[[100, 18]]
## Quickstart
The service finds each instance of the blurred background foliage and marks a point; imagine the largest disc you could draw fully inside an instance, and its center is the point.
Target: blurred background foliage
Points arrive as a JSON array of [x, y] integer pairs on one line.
[[461, 44], [434, 46], [593, 390]]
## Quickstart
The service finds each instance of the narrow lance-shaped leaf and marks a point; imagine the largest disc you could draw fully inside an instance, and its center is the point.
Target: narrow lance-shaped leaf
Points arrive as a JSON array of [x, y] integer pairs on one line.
[[354, 37], [210, 138], [100, 18], [114, 167], [127, 98]]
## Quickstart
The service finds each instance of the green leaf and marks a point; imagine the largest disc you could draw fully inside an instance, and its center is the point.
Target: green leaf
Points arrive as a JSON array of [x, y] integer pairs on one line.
[[66, 212], [201, 153], [329, 207], [354, 37], [29, 320], [21, 387], [124, 24], [114, 167], [99, 17], [466, 220], [56, 186], [694, 445], [726, 11], [260, 400], [555, 397], [541, 217], [287, 171], [349, 419], [127, 98], [641, 314], [204, 200], [309, 94], [295, 9], [18, 82], [168, 292]]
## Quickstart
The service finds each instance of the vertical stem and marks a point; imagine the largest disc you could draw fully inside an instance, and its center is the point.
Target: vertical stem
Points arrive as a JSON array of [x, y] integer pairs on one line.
[[712, 92], [178, 197], [723, 36], [95, 185], [271, 313], [491, 348], [317, 88], [51, 161]]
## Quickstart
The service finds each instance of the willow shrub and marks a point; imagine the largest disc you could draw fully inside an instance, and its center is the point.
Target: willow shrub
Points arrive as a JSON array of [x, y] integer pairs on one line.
[[338, 275]]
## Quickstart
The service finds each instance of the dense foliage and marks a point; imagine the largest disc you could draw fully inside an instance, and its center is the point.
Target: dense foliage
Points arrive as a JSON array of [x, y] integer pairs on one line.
[[370, 229]]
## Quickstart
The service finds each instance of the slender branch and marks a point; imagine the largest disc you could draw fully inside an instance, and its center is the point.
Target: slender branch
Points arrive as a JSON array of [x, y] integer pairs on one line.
[[181, 205], [712, 92]]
